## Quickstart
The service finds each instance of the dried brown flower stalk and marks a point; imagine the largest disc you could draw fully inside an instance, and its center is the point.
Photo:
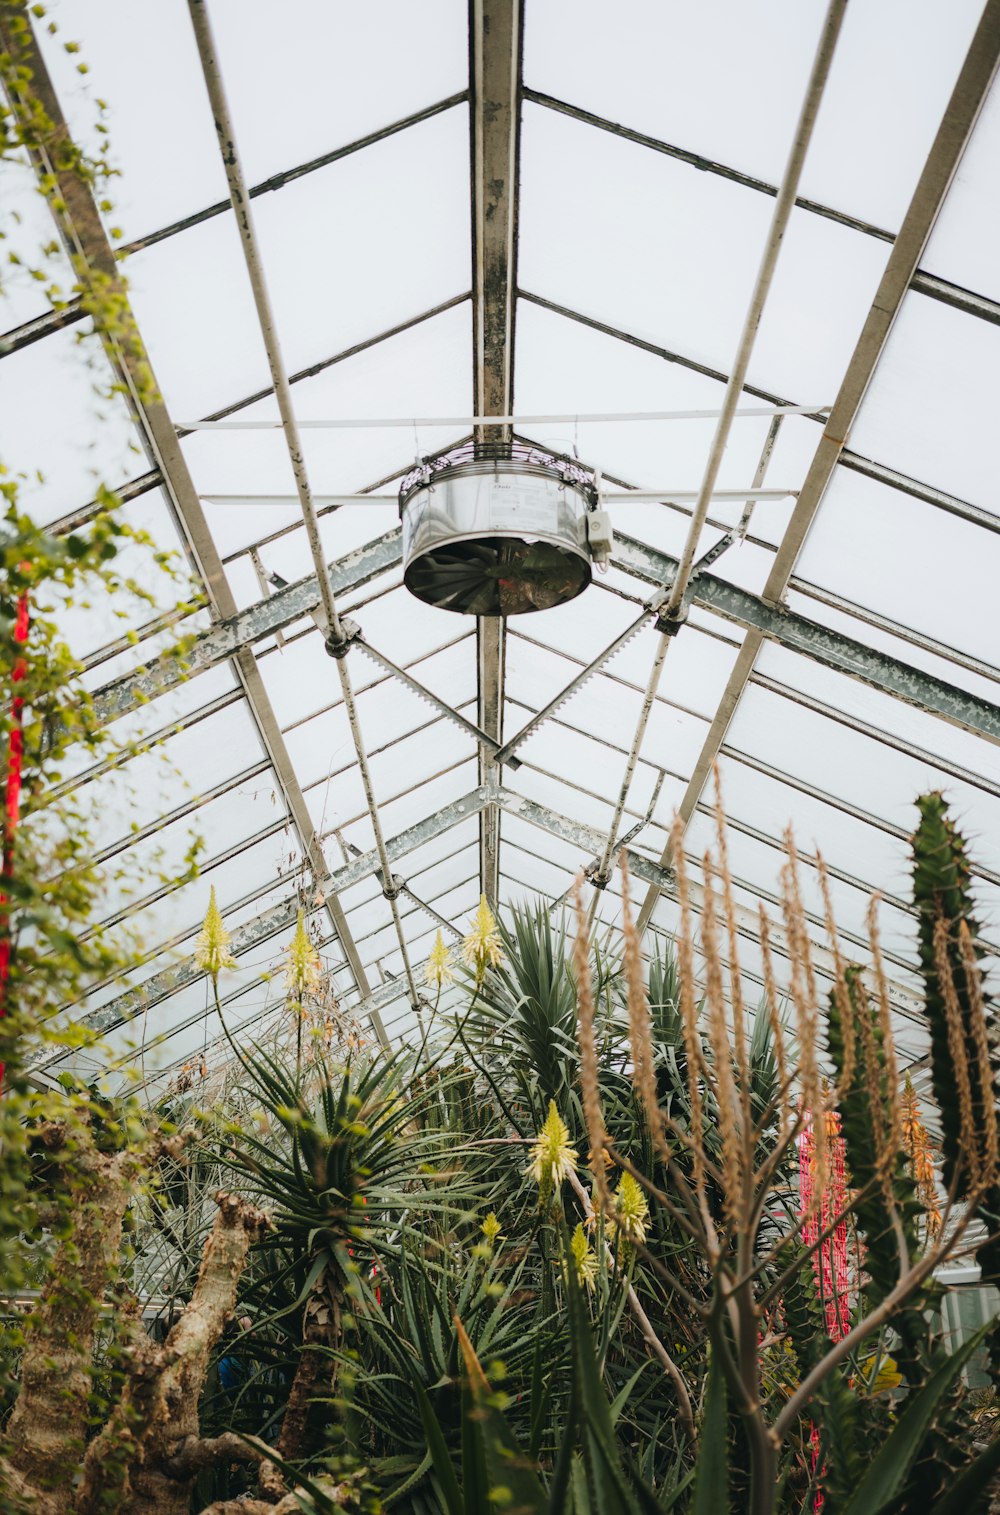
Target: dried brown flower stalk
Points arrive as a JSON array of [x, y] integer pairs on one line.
[[639, 1022], [727, 1098], [689, 1012], [802, 989], [893, 1121], [841, 993], [774, 1020], [735, 980], [987, 1089], [957, 1051], [589, 1087]]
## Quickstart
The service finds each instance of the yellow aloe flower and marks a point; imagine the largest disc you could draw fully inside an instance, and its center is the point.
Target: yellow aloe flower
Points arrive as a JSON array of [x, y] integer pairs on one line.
[[553, 1158], [632, 1209], [481, 948], [211, 950], [491, 1230], [438, 969], [584, 1257], [302, 964]]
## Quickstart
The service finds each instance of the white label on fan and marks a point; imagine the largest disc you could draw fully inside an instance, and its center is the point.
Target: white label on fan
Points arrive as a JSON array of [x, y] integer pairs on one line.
[[530, 506]]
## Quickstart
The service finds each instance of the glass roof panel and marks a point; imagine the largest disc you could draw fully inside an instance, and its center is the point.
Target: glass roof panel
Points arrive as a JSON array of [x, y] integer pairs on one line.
[[726, 83], [932, 406], [317, 98], [689, 291], [316, 76], [192, 293], [565, 368], [844, 763], [79, 437]]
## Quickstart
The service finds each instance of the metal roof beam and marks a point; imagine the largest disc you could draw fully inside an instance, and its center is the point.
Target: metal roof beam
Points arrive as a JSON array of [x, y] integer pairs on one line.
[[79, 224], [967, 99], [766, 619], [241, 629], [495, 41], [927, 284], [939, 498], [811, 639]]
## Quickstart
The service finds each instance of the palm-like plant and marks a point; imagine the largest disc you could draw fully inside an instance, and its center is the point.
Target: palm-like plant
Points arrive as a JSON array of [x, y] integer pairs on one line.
[[341, 1155], [521, 1022]]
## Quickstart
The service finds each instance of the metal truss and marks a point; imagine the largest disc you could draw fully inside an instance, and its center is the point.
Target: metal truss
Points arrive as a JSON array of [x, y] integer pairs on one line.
[[758, 615]]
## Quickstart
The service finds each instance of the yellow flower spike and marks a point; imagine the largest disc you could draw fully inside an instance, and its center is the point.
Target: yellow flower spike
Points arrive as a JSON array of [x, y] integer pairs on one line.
[[584, 1257], [481, 948], [553, 1158], [438, 969], [211, 950], [491, 1230], [632, 1208], [302, 966]]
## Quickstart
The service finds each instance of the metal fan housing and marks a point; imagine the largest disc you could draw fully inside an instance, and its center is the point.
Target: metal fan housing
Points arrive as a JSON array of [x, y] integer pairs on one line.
[[496, 529]]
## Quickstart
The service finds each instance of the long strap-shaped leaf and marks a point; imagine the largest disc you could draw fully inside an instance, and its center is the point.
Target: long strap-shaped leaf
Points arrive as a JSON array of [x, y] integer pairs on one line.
[[887, 1473], [606, 1479], [968, 1486], [711, 1481], [492, 1460]]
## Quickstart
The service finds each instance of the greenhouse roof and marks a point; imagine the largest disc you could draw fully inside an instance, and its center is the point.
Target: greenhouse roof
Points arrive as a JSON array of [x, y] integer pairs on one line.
[[555, 213]]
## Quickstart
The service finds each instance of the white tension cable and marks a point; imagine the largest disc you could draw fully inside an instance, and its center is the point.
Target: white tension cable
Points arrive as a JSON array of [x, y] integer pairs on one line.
[[361, 422], [614, 496]]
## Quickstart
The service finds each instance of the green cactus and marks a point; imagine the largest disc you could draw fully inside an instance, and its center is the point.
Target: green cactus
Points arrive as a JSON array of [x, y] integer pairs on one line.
[[941, 875], [883, 1263], [941, 887]]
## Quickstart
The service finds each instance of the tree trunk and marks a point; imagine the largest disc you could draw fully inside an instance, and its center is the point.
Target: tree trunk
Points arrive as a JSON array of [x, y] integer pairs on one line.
[[322, 1325], [128, 1467], [47, 1429]]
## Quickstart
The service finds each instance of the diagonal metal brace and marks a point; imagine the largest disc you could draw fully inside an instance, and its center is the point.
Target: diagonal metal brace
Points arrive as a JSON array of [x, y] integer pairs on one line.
[[423, 693], [652, 606]]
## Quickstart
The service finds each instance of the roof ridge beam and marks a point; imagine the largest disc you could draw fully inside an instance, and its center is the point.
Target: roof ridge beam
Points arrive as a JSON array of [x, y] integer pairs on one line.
[[495, 83]]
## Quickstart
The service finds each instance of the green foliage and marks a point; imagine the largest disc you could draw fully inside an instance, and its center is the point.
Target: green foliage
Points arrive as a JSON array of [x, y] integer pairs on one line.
[[888, 1471], [861, 1106], [525, 1013], [942, 891]]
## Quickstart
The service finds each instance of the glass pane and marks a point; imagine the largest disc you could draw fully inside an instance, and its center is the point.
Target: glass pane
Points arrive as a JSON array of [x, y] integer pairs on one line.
[[931, 409], [727, 82]]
